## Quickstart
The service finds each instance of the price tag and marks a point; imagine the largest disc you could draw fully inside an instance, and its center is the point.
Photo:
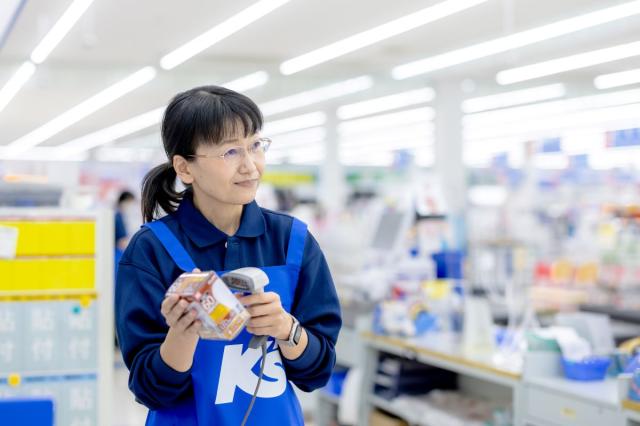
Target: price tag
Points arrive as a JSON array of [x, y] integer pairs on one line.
[[8, 242]]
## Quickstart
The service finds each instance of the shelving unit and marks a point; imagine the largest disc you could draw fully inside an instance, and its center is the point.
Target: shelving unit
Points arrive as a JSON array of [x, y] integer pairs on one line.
[[539, 393], [56, 312], [477, 373]]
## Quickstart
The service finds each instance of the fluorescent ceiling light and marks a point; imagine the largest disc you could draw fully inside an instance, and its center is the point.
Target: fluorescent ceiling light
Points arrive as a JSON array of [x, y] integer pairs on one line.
[[19, 79], [423, 131], [122, 154], [569, 63], [366, 145], [42, 153], [132, 125], [611, 118], [220, 32], [310, 136], [516, 97], [607, 81], [553, 109], [9, 11], [385, 103], [111, 133], [82, 110], [376, 34], [59, 30], [298, 122], [248, 82], [310, 97], [417, 115], [517, 40]]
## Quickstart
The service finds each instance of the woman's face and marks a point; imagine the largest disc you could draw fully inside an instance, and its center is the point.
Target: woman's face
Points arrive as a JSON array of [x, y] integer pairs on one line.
[[228, 172]]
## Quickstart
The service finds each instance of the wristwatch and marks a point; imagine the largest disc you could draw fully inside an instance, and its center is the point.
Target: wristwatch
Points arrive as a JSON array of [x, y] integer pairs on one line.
[[294, 334]]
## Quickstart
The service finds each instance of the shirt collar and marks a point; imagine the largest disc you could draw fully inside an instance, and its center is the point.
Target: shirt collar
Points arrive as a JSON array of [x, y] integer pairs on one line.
[[203, 233]]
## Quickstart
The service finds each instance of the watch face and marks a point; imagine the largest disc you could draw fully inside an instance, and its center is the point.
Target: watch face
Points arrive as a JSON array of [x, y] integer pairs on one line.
[[297, 334]]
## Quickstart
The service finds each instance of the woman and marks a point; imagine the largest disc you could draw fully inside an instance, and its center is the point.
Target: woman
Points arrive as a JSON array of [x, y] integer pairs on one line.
[[211, 136]]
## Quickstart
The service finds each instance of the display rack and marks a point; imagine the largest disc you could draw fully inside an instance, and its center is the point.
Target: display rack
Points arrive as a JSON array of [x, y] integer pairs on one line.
[[540, 394], [56, 312]]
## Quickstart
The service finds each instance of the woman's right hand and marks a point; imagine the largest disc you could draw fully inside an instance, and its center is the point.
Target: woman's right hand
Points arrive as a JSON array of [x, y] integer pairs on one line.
[[179, 345], [180, 319]]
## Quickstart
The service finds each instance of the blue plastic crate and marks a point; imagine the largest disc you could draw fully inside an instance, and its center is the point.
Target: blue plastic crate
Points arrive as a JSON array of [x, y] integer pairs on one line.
[[589, 369], [26, 411]]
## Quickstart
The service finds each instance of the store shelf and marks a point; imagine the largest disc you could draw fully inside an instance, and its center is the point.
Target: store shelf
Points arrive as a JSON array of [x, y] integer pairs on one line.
[[444, 351], [604, 392], [632, 409], [389, 407]]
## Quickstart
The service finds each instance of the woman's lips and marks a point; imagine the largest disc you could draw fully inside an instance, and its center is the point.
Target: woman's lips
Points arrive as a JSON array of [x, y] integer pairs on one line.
[[248, 183]]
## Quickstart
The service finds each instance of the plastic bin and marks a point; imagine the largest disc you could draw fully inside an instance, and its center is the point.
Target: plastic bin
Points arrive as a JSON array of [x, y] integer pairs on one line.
[[448, 264], [589, 369]]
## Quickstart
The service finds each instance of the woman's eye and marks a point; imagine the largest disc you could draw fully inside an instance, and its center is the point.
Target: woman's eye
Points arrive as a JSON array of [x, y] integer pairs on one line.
[[233, 152], [256, 146]]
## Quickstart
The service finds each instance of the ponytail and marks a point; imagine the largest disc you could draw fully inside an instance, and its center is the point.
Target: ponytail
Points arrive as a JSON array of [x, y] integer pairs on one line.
[[158, 191]]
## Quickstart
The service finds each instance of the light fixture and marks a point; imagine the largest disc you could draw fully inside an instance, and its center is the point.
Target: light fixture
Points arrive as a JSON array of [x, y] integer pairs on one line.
[[132, 125], [610, 118], [553, 108], [220, 32], [616, 79], [517, 40], [421, 130], [385, 103], [310, 136], [417, 115], [19, 79], [313, 96], [248, 82], [297, 122], [9, 12], [112, 133], [59, 30], [516, 97], [376, 34], [81, 111], [568, 63]]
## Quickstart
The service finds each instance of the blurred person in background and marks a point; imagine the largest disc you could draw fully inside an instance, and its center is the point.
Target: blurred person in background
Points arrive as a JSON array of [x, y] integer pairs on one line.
[[126, 202]]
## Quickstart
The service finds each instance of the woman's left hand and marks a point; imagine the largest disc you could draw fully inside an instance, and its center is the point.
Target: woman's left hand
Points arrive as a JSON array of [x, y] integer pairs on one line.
[[268, 317]]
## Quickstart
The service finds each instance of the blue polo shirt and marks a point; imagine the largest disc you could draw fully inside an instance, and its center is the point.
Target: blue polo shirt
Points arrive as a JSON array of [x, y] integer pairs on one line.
[[146, 271]]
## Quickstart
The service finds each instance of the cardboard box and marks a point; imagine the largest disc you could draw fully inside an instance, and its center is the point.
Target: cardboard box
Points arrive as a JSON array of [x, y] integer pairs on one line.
[[378, 418]]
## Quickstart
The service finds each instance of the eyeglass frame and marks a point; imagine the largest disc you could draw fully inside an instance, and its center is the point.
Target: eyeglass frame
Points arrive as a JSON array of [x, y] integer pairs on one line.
[[265, 140]]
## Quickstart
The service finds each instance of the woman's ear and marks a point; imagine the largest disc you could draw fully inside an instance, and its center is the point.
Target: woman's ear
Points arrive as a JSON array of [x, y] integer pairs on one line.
[[181, 166]]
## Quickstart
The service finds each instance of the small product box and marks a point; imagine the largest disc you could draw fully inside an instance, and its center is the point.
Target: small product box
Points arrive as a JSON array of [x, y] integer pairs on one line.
[[223, 317]]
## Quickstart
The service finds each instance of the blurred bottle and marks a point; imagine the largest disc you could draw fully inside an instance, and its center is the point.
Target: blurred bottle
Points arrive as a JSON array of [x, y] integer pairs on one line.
[[477, 334]]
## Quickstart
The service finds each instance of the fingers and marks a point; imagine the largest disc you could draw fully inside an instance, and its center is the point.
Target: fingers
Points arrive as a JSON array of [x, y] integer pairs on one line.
[[264, 309], [268, 320], [168, 303], [176, 312], [185, 321], [260, 298], [194, 328]]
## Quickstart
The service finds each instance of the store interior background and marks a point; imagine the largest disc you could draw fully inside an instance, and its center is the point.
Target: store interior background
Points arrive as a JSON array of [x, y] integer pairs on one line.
[[421, 185]]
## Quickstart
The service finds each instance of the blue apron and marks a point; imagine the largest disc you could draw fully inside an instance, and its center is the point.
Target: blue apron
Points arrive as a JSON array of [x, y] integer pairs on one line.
[[225, 373]]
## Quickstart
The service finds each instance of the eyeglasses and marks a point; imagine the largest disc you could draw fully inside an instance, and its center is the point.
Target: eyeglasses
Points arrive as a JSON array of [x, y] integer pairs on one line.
[[237, 154]]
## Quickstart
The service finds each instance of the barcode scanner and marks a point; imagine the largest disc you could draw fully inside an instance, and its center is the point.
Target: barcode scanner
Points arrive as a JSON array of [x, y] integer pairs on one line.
[[248, 280]]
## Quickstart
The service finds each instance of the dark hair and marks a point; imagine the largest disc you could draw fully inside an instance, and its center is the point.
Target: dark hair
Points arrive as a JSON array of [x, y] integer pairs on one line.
[[125, 196], [202, 115]]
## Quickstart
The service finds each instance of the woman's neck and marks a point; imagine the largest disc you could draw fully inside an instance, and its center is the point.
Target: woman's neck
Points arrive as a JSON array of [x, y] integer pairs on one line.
[[225, 217]]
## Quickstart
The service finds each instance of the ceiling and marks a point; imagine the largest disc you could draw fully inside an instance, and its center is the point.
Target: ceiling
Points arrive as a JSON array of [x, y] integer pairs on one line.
[[117, 37]]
